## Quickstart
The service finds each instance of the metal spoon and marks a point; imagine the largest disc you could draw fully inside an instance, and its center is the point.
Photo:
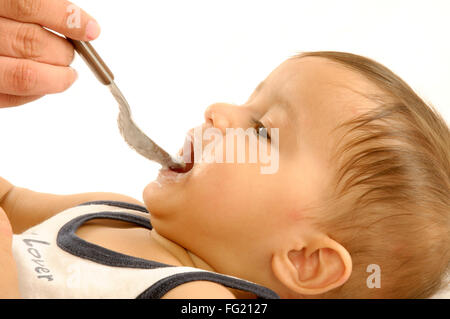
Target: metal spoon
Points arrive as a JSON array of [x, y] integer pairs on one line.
[[134, 137]]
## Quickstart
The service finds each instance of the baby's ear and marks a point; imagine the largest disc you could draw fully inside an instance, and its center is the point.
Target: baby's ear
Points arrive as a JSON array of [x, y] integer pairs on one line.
[[314, 268]]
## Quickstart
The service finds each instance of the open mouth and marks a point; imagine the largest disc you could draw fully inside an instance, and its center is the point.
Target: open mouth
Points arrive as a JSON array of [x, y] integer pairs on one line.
[[187, 154]]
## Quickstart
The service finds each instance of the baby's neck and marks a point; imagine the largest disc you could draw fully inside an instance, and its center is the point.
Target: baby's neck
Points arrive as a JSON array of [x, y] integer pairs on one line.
[[188, 259], [185, 257]]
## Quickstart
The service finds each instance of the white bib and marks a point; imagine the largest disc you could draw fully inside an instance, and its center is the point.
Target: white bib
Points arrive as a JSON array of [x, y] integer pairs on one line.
[[53, 262]]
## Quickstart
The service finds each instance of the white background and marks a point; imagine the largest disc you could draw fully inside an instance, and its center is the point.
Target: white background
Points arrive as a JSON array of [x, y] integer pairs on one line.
[[172, 59]]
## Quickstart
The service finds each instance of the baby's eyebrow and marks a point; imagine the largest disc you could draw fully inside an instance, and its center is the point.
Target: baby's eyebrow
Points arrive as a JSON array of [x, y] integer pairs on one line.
[[287, 107], [259, 87]]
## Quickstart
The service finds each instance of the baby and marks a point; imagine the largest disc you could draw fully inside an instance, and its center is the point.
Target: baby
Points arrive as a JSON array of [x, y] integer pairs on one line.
[[357, 207]]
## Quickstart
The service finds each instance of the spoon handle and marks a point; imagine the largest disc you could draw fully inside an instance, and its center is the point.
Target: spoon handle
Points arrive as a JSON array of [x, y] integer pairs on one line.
[[131, 133], [94, 61]]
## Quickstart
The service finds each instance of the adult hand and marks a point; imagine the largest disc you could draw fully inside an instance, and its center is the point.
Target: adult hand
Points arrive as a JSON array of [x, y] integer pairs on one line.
[[33, 60]]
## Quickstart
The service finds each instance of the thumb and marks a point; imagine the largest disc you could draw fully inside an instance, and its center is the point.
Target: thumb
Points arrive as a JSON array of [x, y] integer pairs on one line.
[[61, 16]]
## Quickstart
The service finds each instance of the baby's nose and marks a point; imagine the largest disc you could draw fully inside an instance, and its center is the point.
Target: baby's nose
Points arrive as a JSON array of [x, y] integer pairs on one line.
[[219, 116]]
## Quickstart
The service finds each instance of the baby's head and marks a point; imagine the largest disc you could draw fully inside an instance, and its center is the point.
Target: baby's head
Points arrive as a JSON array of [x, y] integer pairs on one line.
[[361, 187]]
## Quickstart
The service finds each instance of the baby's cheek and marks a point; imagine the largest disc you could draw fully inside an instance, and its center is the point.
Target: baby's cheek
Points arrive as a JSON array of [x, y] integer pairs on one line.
[[229, 185], [224, 179]]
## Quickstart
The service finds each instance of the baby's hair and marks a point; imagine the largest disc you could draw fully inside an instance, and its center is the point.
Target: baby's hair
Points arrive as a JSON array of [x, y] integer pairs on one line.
[[391, 192]]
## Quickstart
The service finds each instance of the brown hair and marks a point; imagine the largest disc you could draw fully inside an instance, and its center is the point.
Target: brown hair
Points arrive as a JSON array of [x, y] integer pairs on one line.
[[392, 189]]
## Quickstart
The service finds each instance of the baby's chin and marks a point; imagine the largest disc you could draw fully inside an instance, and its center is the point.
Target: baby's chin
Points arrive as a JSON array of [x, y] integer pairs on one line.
[[159, 201], [169, 190]]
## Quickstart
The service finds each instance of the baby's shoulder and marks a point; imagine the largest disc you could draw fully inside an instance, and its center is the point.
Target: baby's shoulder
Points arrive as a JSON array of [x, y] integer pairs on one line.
[[200, 290]]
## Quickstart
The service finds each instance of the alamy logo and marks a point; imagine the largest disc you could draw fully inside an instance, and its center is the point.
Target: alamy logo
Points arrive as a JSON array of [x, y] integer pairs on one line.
[[239, 145], [74, 17], [374, 280], [73, 280]]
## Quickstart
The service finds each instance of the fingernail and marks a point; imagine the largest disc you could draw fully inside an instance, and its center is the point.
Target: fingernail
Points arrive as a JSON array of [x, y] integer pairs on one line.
[[76, 74], [92, 30]]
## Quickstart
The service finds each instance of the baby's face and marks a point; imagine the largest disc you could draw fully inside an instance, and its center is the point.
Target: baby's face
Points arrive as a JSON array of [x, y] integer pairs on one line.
[[229, 211]]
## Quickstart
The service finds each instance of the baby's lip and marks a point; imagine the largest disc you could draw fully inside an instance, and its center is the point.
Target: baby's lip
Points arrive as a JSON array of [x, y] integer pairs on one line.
[[187, 153]]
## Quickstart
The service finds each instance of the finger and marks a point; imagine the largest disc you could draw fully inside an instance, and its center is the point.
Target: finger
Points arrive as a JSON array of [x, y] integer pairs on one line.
[[27, 78], [7, 100], [58, 15], [31, 41]]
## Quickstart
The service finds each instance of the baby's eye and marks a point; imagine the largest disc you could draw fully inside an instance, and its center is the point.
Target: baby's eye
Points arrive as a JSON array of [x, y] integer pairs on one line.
[[261, 130]]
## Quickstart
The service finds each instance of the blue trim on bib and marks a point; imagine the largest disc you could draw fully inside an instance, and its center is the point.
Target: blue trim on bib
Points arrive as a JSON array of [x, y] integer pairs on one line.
[[117, 204], [163, 286]]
